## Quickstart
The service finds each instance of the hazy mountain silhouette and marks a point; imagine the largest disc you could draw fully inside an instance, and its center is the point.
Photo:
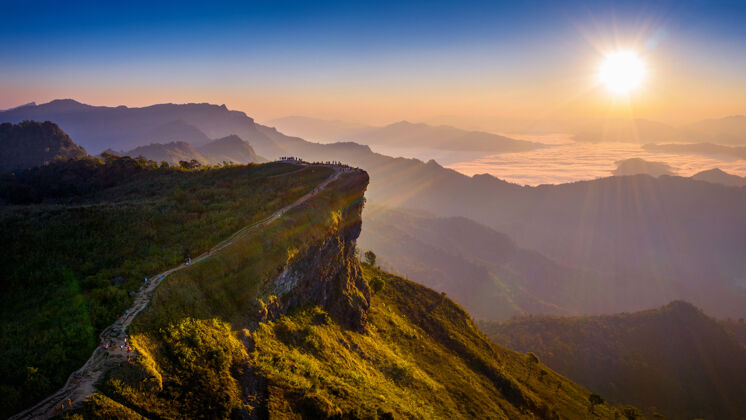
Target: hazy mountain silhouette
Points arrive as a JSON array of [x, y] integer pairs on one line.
[[177, 130], [227, 149], [718, 176], [637, 166], [230, 149], [699, 149], [672, 229], [32, 143], [98, 127], [403, 134], [728, 130], [674, 358], [493, 278], [407, 134]]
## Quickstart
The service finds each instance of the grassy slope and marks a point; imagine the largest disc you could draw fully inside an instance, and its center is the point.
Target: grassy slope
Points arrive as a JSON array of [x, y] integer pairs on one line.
[[208, 349], [59, 258], [422, 358]]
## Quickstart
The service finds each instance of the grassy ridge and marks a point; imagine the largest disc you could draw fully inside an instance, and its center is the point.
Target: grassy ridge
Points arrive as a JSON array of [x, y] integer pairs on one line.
[[214, 343], [60, 257], [422, 358]]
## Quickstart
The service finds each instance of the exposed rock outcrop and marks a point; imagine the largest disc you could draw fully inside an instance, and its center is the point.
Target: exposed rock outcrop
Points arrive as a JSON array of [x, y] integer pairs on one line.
[[327, 273]]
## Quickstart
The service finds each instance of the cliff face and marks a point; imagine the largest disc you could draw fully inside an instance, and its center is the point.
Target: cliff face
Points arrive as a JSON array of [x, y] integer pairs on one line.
[[327, 274]]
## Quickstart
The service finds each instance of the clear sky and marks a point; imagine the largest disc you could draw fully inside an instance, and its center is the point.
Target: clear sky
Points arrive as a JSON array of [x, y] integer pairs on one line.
[[379, 61]]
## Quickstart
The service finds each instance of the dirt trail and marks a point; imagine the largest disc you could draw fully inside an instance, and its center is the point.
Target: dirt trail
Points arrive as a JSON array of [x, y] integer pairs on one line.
[[81, 383]]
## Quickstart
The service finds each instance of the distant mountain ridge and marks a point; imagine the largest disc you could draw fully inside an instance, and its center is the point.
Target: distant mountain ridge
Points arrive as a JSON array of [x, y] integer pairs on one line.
[[724, 131], [177, 130], [407, 134], [30, 143], [493, 278], [637, 166], [685, 232], [403, 134], [718, 176], [230, 149], [675, 358], [98, 127], [728, 130]]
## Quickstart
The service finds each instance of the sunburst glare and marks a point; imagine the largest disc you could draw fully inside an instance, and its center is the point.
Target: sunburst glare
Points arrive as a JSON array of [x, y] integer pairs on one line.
[[621, 72]]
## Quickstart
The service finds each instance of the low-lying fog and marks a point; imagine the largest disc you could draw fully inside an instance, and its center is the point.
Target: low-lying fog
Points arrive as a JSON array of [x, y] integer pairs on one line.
[[564, 160]]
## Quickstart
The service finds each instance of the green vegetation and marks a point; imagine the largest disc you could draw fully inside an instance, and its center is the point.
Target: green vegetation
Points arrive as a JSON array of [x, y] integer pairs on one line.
[[674, 360], [422, 358], [419, 354], [370, 258], [281, 323], [70, 262]]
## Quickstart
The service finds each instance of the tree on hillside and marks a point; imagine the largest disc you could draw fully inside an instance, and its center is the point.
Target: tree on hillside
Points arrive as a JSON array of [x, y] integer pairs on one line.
[[631, 413], [370, 258], [376, 284], [595, 400], [192, 164]]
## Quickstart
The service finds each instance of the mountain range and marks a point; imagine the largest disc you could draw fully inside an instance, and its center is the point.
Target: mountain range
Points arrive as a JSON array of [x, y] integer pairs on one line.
[[725, 131], [684, 234], [638, 166], [403, 134], [98, 128], [492, 277], [674, 360]]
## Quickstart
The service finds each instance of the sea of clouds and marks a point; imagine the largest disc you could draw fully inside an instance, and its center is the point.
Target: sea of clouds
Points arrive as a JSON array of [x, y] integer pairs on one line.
[[575, 161]]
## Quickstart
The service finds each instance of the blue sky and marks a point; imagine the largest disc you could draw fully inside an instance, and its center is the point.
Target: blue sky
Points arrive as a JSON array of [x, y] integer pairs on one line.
[[366, 60]]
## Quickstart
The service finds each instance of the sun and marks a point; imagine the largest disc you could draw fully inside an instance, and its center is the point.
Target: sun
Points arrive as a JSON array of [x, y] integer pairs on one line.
[[621, 72]]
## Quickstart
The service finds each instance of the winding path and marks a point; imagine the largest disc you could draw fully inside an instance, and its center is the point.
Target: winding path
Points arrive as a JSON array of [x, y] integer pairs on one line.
[[81, 383]]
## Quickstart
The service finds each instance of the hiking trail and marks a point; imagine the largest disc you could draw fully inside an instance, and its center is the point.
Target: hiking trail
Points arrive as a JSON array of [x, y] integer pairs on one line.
[[81, 383]]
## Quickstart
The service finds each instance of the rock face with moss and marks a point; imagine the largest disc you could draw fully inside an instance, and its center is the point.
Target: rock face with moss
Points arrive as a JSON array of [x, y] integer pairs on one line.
[[328, 274]]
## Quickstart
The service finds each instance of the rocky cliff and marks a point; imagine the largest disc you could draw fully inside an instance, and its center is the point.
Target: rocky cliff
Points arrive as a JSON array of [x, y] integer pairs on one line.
[[328, 274]]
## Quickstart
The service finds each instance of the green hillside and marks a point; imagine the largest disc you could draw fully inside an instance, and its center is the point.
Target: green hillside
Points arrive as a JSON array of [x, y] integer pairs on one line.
[[80, 235], [674, 360], [286, 323], [31, 143]]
